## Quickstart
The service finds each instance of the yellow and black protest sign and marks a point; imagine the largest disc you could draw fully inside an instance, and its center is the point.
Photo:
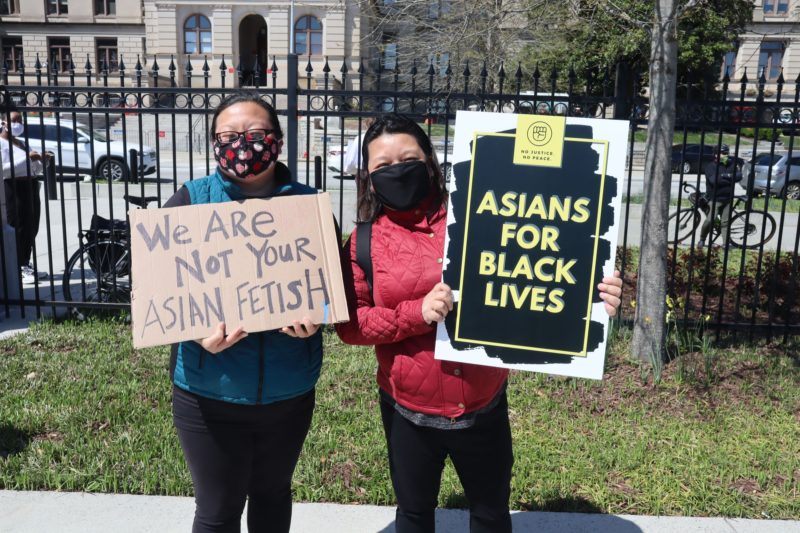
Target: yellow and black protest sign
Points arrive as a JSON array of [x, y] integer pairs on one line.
[[531, 206]]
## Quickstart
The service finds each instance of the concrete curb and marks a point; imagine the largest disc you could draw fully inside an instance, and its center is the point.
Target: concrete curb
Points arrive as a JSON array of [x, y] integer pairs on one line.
[[73, 512]]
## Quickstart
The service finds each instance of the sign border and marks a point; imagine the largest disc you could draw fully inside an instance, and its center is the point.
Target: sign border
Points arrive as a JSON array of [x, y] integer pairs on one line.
[[597, 236]]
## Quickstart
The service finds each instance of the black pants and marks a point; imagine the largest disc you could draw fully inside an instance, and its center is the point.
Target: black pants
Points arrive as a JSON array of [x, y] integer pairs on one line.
[[24, 208], [239, 452], [482, 457]]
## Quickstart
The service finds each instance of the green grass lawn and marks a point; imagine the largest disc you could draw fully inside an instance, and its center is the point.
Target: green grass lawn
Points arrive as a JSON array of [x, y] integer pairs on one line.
[[775, 205], [82, 410], [711, 138]]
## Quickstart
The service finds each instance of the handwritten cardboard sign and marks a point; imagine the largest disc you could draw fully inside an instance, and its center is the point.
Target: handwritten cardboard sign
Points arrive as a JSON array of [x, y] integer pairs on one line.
[[258, 263], [532, 228]]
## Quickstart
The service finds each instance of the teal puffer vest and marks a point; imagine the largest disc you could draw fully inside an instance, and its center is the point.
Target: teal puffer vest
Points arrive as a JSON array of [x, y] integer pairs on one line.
[[264, 367]]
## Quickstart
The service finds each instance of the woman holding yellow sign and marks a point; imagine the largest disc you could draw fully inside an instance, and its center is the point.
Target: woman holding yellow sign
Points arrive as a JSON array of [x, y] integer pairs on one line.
[[431, 409]]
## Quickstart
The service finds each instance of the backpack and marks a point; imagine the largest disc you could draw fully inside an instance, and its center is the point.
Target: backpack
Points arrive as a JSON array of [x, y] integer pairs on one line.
[[364, 250]]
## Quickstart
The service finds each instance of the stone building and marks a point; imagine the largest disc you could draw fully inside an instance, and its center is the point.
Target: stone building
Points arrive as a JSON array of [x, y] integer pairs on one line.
[[97, 31], [770, 43], [245, 33]]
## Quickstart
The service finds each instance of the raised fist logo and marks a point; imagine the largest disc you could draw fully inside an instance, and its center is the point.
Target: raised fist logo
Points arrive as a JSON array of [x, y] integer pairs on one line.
[[539, 133]]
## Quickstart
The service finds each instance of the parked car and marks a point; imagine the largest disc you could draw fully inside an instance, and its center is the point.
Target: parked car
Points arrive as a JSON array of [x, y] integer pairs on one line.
[[65, 138], [692, 159], [776, 180]]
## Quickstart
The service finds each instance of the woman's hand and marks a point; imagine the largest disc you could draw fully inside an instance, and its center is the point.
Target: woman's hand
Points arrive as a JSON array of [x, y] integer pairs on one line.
[[437, 303], [301, 328], [34, 155], [610, 292], [218, 341]]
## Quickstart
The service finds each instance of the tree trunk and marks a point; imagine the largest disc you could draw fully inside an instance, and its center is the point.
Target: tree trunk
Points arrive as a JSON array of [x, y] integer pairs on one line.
[[650, 322]]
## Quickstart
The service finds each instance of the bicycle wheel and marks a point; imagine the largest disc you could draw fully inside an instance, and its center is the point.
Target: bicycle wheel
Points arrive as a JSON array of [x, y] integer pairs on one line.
[[98, 272], [757, 222], [681, 224]]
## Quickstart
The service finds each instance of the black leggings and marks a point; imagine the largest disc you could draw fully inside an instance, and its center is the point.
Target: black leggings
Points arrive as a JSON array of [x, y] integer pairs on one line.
[[239, 452], [24, 208], [481, 455]]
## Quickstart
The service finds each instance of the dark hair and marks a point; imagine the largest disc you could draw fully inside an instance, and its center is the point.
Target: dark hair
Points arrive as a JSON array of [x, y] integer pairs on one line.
[[369, 206], [244, 97]]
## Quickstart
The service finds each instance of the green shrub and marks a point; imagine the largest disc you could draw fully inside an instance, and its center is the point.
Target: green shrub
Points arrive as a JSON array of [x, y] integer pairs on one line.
[[763, 134]]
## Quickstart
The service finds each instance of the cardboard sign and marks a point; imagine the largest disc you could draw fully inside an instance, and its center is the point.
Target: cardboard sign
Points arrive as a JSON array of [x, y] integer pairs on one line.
[[258, 263], [532, 228]]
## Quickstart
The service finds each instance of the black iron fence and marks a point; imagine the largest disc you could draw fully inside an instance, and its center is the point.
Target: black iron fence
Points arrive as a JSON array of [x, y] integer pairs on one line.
[[137, 134]]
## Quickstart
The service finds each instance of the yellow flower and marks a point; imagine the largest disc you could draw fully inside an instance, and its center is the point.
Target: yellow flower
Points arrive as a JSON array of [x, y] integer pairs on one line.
[[633, 304], [670, 303], [707, 318]]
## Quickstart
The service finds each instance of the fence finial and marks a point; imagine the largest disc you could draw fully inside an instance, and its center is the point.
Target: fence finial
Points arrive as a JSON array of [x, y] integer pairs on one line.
[[327, 68]]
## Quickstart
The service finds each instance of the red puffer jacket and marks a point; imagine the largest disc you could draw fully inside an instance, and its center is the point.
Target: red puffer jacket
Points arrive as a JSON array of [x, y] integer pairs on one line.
[[407, 250]]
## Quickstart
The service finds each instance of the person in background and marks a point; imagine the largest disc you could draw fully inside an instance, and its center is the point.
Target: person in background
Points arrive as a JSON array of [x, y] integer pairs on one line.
[[721, 176], [22, 189], [242, 403], [431, 409]]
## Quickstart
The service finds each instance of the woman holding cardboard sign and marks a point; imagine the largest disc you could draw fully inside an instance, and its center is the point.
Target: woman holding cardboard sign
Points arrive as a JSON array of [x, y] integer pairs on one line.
[[242, 404], [431, 409]]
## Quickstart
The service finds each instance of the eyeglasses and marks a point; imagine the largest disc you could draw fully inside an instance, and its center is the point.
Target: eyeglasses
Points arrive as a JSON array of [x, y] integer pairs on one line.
[[254, 135]]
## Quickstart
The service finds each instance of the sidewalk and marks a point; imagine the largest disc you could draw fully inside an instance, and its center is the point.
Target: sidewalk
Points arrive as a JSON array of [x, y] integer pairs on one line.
[[25, 512]]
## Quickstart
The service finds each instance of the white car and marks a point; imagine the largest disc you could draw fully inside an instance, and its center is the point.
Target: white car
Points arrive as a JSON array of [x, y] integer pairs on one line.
[[95, 155]]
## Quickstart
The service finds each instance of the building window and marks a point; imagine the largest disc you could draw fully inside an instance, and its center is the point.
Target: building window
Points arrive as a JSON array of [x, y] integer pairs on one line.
[[770, 59], [729, 64], [105, 7], [57, 7], [59, 54], [439, 62], [389, 52], [107, 55], [776, 7], [9, 7], [308, 36], [12, 53], [197, 35]]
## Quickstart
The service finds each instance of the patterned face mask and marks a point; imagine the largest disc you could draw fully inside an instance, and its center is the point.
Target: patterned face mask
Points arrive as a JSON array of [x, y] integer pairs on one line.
[[246, 158]]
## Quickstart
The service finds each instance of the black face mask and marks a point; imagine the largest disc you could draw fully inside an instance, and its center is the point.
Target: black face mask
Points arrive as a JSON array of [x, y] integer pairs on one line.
[[403, 185]]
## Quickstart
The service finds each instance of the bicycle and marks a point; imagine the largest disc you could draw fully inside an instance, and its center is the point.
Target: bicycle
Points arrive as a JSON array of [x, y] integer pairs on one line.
[[744, 226], [100, 270]]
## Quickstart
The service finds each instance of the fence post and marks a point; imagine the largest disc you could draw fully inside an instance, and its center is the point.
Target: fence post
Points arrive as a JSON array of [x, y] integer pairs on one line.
[[133, 165], [50, 178], [291, 113], [318, 172], [622, 92]]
